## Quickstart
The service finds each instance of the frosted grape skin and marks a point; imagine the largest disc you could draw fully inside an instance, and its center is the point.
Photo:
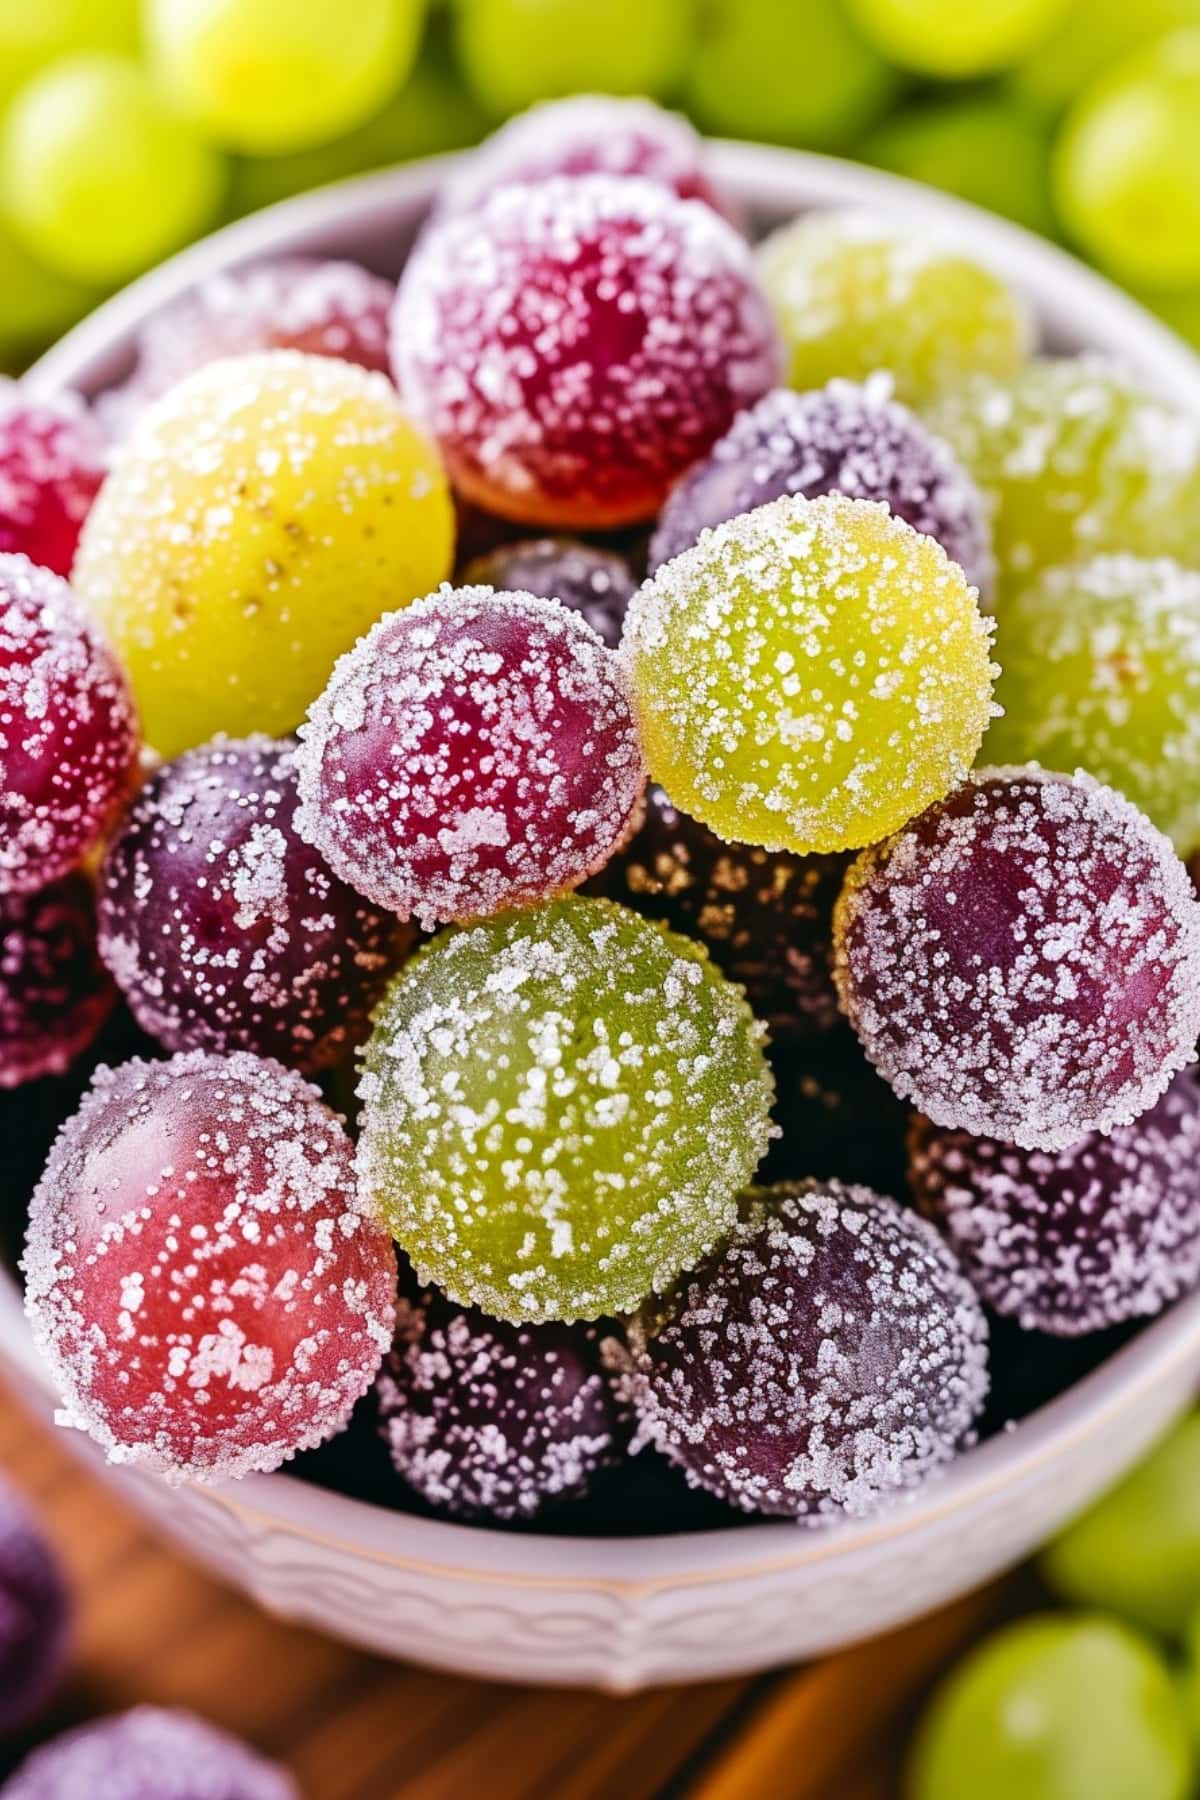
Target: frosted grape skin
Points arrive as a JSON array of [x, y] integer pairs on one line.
[[55, 992], [559, 1107], [598, 584], [53, 458], [809, 675], [148, 1753], [825, 1359], [1023, 960]]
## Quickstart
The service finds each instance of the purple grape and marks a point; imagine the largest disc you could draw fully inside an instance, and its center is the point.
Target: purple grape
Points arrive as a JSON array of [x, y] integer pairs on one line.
[[149, 1753], [766, 916], [1073, 1240], [828, 1356], [55, 993], [1023, 959], [597, 583], [840, 439], [35, 1612], [224, 929]]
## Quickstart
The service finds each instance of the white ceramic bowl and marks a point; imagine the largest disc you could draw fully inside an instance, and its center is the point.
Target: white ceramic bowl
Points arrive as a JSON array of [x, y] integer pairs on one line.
[[622, 1614]]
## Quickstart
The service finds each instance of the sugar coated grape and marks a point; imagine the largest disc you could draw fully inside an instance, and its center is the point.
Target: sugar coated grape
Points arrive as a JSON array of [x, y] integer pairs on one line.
[[587, 134], [596, 583], [765, 917], [34, 1613], [260, 516], [559, 1106], [575, 345], [842, 439], [809, 675], [1074, 457], [853, 293], [473, 752], [199, 1274], [1056, 1707], [225, 930], [1101, 671], [149, 1753], [55, 993], [493, 1420], [1023, 960], [828, 1356], [68, 735], [1077, 1239], [52, 461]]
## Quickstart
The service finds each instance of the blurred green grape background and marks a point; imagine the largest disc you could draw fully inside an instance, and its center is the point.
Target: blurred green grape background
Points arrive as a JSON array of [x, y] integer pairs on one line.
[[128, 127]]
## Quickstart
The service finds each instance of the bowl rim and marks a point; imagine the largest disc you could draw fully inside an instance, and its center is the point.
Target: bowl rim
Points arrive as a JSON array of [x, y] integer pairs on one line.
[[1064, 293]]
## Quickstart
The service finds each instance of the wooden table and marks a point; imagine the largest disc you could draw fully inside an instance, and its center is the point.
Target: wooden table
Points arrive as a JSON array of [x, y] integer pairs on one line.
[[355, 1728]]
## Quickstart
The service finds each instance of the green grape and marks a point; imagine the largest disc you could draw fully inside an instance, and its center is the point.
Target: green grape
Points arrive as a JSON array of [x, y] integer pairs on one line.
[[769, 69], [559, 1107], [1127, 166], [34, 33], [266, 76], [1074, 458], [1181, 311], [1101, 671], [36, 304], [97, 177], [809, 675], [1054, 1708], [853, 293], [956, 39], [515, 52], [1189, 1677], [985, 148], [1136, 1552], [1089, 38], [261, 516]]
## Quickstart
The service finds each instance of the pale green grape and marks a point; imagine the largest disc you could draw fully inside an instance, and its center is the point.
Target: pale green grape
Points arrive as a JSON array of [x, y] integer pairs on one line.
[[985, 148], [36, 304], [1127, 166], [515, 52], [1136, 1552], [34, 33], [1055, 1708], [268, 76], [956, 38], [1089, 38], [790, 74], [97, 176], [1179, 310]]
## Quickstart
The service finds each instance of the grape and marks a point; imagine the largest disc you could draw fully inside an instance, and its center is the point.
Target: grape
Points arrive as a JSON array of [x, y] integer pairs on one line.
[[224, 929], [266, 76], [514, 52], [35, 1610], [597, 584], [841, 439], [1180, 311], [853, 292], [559, 1106], [1023, 960], [1105, 1230], [1075, 457], [1087, 40], [1127, 166], [36, 303], [1054, 1708], [809, 675], [825, 1358], [230, 575], [226, 1347], [1101, 670], [766, 918], [473, 752], [575, 345], [52, 461], [767, 69], [97, 176], [1136, 1550], [68, 736], [955, 42], [54, 991], [488, 1420], [149, 1753], [986, 148], [31, 36]]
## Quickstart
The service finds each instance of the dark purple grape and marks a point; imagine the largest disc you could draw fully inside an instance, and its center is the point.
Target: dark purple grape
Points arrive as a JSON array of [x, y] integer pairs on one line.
[[1073, 1240], [597, 583], [55, 993], [840, 439], [765, 915], [827, 1357], [224, 929], [149, 1753], [35, 1613]]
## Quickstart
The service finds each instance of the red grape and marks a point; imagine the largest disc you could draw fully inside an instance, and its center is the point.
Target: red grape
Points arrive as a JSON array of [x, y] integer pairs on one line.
[[55, 993], [52, 461]]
